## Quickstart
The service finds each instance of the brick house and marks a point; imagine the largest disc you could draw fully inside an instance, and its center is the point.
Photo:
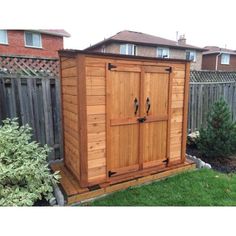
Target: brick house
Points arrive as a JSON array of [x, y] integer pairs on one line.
[[219, 59], [38, 43], [140, 44]]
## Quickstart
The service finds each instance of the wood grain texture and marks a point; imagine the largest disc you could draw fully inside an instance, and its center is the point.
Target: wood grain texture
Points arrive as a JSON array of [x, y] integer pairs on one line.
[[82, 101], [70, 113], [110, 136], [185, 112]]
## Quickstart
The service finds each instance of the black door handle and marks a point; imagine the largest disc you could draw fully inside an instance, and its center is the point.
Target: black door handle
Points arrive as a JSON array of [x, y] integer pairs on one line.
[[148, 105], [141, 119], [136, 105]]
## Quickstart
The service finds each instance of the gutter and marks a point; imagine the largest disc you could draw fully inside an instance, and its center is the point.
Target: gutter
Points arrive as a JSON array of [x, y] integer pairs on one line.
[[217, 59]]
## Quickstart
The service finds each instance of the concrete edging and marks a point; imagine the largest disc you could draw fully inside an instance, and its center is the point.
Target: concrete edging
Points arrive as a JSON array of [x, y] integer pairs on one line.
[[199, 163]]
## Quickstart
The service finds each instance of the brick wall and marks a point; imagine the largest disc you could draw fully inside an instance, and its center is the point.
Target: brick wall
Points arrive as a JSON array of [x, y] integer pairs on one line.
[[181, 54], [148, 51], [16, 45], [209, 62], [230, 67]]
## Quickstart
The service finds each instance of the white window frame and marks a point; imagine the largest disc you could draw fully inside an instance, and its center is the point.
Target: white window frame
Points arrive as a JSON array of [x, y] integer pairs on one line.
[[6, 41], [30, 46], [223, 59], [103, 50], [194, 53], [163, 49], [134, 49]]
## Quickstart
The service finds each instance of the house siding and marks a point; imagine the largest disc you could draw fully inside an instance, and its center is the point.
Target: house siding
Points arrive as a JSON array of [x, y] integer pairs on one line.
[[209, 63], [181, 54], [149, 51], [16, 45], [230, 67]]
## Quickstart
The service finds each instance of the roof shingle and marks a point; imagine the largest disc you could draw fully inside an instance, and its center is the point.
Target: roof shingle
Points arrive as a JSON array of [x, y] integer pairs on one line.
[[57, 32], [215, 49], [141, 38]]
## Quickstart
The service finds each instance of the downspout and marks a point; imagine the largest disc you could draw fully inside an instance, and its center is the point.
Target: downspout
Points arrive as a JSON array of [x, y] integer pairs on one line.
[[217, 58]]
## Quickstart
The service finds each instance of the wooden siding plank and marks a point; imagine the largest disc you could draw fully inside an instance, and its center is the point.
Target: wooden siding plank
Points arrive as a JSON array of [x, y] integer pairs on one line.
[[95, 100], [69, 72]]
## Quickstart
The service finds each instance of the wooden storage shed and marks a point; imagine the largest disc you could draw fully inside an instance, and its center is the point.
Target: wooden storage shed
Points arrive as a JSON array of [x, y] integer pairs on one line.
[[123, 116]]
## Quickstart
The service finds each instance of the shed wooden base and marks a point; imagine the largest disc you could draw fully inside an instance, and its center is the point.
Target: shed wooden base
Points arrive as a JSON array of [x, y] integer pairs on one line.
[[75, 194]]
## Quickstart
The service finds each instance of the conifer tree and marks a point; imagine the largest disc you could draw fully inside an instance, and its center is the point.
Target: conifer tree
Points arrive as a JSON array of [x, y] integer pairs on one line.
[[218, 139]]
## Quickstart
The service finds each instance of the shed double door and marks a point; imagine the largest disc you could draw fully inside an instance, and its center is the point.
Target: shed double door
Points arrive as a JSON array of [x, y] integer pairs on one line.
[[137, 117]]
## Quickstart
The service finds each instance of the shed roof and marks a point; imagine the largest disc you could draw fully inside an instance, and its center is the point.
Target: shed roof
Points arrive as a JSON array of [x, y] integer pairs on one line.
[[212, 76], [142, 38], [73, 52]]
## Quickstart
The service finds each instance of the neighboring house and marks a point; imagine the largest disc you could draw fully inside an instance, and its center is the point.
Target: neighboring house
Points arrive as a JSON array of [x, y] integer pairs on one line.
[[140, 44], [219, 59], [36, 43]]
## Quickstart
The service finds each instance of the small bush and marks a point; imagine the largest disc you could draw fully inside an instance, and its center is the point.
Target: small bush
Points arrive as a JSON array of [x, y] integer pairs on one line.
[[218, 139], [24, 173]]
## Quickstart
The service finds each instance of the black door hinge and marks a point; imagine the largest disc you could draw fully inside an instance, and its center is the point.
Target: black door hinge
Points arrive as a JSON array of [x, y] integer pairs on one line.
[[94, 187], [110, 173], [169, 69], [166, 161], [110, 66]]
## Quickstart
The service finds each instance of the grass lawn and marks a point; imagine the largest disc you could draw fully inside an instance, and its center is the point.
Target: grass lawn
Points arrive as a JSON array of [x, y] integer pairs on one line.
[[195, 188]]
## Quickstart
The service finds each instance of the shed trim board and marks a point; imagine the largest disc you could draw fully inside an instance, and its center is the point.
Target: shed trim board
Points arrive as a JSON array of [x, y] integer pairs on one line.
[[110, 141]]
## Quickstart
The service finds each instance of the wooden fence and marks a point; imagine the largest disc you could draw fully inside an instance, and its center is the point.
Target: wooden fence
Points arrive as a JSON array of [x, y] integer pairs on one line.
[[36, 101], [203, 95]]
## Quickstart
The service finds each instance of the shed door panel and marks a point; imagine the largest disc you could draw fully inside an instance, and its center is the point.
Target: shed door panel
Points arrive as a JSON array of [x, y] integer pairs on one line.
[[123, 129], [154, 129]]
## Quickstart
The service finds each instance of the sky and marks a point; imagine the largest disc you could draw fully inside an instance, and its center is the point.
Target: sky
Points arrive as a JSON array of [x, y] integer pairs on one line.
[[204, 22]]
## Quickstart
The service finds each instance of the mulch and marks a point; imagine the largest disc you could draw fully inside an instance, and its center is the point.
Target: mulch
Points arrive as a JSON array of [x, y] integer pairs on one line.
[[42, 202], [222, 164]]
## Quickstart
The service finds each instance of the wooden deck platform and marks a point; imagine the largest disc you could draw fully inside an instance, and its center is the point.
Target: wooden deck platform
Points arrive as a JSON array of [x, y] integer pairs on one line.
[[74, 193]]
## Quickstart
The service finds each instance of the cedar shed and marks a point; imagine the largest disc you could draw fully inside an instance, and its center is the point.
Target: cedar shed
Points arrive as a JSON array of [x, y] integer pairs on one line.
[[123, 116]]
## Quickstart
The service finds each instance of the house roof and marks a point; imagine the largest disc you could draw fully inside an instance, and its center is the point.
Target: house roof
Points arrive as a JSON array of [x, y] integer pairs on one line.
[[217, 50], [141, 38], [212, 76], [56, 32]]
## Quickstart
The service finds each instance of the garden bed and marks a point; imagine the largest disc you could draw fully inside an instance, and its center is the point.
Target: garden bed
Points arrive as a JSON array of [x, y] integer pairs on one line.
[[222, 164]]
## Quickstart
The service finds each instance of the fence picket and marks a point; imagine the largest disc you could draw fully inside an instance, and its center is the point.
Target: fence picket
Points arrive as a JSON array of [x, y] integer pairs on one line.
[[203, 95], [37, 101], [30, 99]]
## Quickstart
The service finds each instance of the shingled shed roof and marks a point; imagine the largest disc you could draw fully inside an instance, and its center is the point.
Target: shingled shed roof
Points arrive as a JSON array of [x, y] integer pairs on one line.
[[212, 76]]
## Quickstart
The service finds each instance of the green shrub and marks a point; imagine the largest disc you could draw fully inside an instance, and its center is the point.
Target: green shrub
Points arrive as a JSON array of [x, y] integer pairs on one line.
[[24, 173], [218, 139]]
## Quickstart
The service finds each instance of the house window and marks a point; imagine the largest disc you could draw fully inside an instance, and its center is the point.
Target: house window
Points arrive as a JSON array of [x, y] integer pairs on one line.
[[225, 58], [33, 40], [128, 49], [163, 52], [103, 50], [3, 37], [191, 55]]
